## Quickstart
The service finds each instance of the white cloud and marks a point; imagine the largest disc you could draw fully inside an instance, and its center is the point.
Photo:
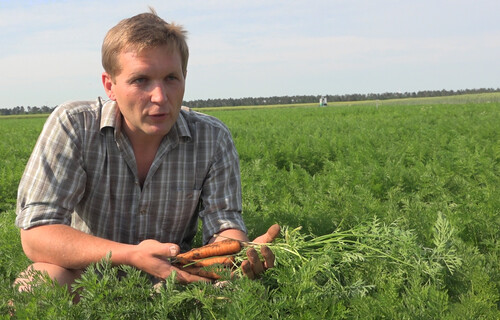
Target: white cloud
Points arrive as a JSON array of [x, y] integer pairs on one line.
[[51, 49]]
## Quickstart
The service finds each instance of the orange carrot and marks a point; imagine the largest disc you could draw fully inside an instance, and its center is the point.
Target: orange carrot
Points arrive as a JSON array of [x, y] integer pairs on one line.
[[219, 248], [182, 261], [227, 261], [224, 260], [211, 274]]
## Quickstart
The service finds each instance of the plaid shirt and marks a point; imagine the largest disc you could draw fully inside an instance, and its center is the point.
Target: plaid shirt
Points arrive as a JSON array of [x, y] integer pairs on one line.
[[83, 173]]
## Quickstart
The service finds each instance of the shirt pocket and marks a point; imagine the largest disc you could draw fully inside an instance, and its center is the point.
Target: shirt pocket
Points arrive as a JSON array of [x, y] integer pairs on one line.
[[181, 217]]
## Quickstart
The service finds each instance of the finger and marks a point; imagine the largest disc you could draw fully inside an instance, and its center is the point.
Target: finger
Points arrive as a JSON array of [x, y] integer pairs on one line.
[[255, 262], [199, 271], [181, 276], [269, 257], [273, 232], [185, 277], [165, 250], [159, 249], [247, 269], [172, 250], [270, 235]]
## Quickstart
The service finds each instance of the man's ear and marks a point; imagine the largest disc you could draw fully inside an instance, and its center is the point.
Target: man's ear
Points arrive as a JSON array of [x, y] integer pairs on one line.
[[107, 82]]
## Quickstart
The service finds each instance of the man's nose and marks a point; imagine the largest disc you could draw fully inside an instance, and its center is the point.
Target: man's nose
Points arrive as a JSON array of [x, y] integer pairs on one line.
[[158, 94]]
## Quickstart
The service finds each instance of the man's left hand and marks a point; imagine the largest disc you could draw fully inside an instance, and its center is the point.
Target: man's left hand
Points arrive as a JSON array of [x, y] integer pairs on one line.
[[253, 267]]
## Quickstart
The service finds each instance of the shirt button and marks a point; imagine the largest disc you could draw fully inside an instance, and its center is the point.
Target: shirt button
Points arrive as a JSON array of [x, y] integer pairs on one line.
[[142, 211]]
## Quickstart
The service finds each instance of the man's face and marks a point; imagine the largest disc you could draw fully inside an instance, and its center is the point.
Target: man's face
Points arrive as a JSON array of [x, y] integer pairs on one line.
[[148, 90]]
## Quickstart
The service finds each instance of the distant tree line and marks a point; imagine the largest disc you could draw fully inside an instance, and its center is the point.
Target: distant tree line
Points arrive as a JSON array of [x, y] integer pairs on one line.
[[233, 102], [25, 110]]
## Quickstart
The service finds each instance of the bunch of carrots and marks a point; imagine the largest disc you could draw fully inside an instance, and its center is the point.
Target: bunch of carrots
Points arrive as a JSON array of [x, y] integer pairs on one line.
[[210, 261], [216, 259]]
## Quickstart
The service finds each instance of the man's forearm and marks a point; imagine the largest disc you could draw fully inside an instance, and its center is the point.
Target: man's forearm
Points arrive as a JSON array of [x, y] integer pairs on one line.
[[69, 248]]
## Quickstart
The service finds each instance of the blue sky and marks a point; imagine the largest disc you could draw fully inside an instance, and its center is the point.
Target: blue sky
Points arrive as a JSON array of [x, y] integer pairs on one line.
[[50, 50]]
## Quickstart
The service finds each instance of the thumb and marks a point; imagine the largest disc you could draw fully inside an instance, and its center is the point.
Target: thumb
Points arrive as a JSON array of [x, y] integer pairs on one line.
[[270, 235], [156, 248], [169, 250], [174, 249]]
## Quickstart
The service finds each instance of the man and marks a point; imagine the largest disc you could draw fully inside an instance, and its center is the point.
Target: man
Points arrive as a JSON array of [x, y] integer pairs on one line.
[[131, 175]]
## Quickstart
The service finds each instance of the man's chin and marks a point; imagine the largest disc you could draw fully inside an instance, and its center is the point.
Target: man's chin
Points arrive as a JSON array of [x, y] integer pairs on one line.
[[156, 131]]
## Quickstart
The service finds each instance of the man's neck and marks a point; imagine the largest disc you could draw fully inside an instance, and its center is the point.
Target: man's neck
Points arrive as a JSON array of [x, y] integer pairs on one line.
[[145, 148]]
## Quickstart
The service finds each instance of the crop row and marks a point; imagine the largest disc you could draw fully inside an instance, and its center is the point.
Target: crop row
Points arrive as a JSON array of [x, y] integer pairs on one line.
[[388, 212]]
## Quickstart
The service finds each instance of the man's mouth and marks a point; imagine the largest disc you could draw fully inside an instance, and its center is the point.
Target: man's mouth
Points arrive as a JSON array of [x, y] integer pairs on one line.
[[158, 115]]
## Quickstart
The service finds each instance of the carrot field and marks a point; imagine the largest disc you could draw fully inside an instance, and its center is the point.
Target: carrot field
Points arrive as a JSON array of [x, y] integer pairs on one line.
[[389, 211]]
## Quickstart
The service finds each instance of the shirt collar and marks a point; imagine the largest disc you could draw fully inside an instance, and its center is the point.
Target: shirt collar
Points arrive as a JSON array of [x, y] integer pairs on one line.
[[111, 117], [182, 126]]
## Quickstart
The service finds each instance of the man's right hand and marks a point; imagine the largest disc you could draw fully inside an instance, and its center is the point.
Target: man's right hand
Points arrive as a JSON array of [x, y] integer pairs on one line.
[[152, 257], [69, 248]]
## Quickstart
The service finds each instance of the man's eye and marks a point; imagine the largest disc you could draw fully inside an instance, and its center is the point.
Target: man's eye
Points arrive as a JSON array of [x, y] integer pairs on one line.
[[139, 81]]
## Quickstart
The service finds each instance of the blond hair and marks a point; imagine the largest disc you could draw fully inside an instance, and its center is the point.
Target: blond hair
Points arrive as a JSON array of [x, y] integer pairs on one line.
[[143, 31]]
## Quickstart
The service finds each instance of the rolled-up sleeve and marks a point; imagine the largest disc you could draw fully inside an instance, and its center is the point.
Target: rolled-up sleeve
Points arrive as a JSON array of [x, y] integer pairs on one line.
[[221, 193], [54, 177]]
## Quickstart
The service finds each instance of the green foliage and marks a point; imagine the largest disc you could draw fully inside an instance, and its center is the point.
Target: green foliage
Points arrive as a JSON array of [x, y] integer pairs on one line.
[[18, 137], [390, 212]]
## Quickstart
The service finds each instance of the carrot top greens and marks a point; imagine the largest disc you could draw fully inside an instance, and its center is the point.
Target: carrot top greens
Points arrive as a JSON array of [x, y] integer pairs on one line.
[[388, 212]]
